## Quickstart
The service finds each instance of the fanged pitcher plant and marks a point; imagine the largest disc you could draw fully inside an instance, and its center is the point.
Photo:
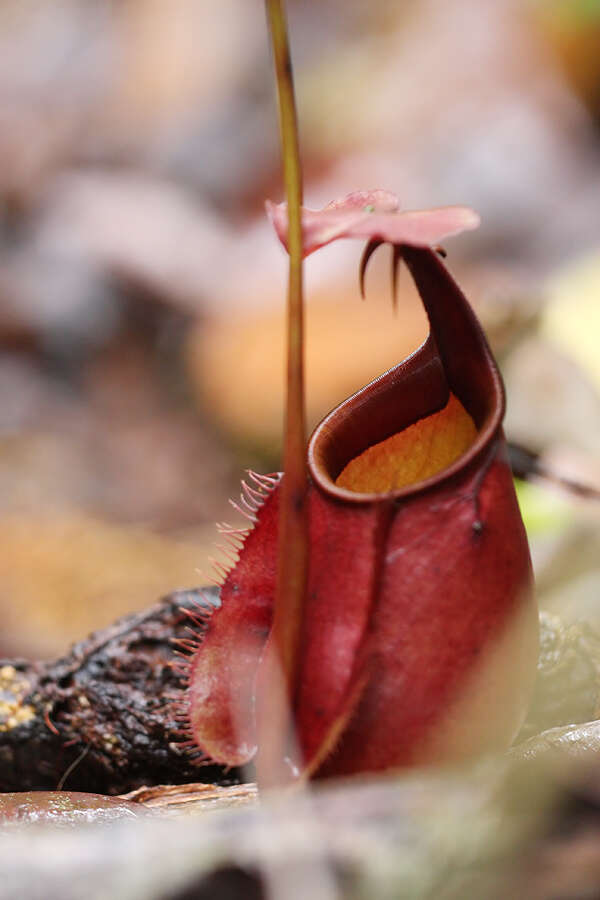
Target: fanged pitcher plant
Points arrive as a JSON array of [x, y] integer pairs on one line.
[[419, 632]]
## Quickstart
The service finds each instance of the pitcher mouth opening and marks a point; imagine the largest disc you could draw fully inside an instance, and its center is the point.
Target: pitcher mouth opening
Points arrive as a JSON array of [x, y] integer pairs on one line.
[[410, 393]]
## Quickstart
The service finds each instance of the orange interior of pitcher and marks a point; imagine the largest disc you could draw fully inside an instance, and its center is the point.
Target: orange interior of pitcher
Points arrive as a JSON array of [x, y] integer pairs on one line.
[[413, 454]]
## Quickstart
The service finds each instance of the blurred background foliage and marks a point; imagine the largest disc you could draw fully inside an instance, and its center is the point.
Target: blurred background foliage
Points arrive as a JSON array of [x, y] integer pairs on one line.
[[141, 291]]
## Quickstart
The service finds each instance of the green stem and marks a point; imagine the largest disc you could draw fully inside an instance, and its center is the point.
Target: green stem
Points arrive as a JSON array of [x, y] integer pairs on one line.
[[293, 532]]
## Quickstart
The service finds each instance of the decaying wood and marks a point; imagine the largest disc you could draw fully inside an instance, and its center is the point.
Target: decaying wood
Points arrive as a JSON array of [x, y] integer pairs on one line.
[[102, 718]]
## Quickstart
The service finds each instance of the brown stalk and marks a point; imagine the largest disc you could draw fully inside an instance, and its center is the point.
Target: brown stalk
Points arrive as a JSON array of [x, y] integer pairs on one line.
[[293, 534]]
